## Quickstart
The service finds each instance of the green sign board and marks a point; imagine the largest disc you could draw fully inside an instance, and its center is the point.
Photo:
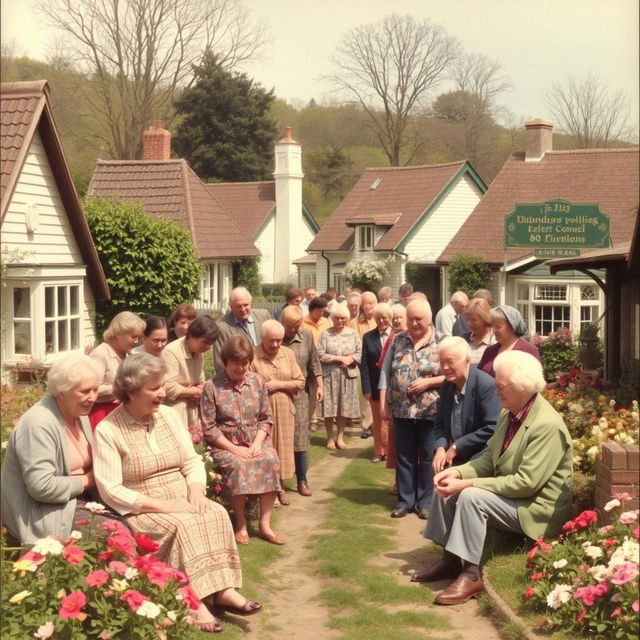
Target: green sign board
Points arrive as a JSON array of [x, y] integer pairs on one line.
[[556, 224]]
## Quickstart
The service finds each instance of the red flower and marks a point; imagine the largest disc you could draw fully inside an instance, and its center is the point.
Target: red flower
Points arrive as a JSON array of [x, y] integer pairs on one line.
[[73, 554], [580, 616], [533, 552], [586, 518], [118, 567], [123, 543], [145, 543], [528, 593], [190, 598], [105, 556], [71, 606], [81, 523], [636, 532], [97, 578], [111, 526], [159, 574], [180, 577], [609, 542], [537, 575], [133, 598], [544, 546]]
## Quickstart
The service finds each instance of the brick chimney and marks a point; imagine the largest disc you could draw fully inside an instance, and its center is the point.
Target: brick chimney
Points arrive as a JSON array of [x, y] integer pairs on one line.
[[538, 139], [156, 143]]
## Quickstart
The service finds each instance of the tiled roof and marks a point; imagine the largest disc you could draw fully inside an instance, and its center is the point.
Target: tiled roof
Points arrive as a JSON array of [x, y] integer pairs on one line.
[[608, 177], [248, 203], [385, 193], [170, 189]]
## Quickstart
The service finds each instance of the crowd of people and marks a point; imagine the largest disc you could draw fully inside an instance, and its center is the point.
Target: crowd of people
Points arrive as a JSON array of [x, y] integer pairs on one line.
[[452, 404]]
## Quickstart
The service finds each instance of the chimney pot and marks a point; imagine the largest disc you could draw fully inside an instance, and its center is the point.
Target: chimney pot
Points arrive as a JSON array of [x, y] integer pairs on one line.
[[156, 143], [288, 137], [538, 139]]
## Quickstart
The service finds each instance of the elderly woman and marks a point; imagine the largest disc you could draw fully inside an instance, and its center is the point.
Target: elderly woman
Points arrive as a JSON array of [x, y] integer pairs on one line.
[[508, 327], [120, 337], [409, 382], [237, 420], [521, 483], [373, 343], [148, 471], [277, 366], [184, 359], [385, 294], [47, 473], [480, 335], [154, 336], [340, 351], [300, 341], [183, 315]]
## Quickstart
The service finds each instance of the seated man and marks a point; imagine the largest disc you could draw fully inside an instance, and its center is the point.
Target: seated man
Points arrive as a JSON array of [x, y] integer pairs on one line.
[[521, 483], [468, 408]]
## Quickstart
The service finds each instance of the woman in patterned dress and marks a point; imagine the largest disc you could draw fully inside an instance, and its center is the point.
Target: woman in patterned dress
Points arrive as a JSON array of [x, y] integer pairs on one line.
[[340, 350], [237, 421], [147, 470]]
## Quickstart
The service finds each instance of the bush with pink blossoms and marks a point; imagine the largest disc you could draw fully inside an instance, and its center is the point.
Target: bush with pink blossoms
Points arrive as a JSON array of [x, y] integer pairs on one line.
[[94, 585], [587, 580]]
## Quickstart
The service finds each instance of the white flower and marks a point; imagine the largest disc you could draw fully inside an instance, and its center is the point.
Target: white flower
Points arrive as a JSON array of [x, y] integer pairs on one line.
[[172, 615], [148, 609], [594, 552], [45, 631], [604, 424], [612, 504], [130, 573], [48, 546], [628, 551], [592, 452], [76, 535], [599, 572], [4, 444], [585, 545], [19, 597], [560, 595], [559, 564], [118, 585], [595, 431], [95, 507]]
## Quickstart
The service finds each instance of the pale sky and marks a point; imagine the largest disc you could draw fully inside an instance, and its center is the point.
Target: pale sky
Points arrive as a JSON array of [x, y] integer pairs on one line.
[[538, 42]]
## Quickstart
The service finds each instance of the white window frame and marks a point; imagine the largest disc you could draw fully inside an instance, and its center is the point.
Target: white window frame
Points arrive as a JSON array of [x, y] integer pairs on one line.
[[339, 281], [366, 235], [215, 284]]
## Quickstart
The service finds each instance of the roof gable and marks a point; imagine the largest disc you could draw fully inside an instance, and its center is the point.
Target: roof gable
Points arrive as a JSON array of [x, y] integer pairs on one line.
[[398, 197], [25, 109], [608, 177]]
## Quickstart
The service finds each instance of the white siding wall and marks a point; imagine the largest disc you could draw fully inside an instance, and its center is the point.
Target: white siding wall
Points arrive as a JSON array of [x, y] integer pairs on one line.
[[434, 234], [265, 241]]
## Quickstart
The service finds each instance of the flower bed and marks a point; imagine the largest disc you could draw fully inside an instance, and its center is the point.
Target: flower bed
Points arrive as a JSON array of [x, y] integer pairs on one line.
[[587, 580], [97, 584]]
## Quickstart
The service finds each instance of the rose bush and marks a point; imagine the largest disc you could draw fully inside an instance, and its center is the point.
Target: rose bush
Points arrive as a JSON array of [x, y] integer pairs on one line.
[[586, 581], [558, 351], [97, 584]]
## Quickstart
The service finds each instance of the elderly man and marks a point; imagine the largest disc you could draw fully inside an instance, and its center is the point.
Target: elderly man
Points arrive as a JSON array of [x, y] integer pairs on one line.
[[309, 294], [468, 408], [404, 291], [242, 320], [521, 483], [447, 316]]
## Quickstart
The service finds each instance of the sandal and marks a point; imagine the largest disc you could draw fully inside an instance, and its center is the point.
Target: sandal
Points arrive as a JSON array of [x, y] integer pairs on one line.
[[213, 626], [247, 609]]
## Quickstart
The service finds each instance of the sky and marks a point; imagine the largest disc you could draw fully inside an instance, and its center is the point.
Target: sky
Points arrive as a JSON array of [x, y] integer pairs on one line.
[[538, 42]]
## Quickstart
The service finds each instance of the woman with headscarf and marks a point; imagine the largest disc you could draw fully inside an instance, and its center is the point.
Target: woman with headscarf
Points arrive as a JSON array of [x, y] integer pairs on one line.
[[508, 329]]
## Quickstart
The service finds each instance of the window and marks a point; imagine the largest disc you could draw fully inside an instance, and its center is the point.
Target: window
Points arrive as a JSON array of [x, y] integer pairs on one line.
[[338, 282], [22, 320], [365, 238], [215, 283], [307, 279], [62, 318]]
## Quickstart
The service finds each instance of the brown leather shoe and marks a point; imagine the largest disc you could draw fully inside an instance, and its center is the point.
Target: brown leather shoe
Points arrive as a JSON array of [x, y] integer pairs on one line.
[[284, 499], [303, 488], [460, 591], [442, 569]]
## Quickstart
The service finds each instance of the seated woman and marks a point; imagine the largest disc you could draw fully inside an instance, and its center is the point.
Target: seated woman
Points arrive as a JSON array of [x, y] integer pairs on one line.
[[480, 334], [120, 337], [521, 483], [236, 420], [154, 337], [47, 473], [183, 315], [147, 470]]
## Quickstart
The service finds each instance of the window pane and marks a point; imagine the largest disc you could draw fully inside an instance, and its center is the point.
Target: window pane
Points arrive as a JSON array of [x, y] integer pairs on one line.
[[550, 318], [74, 299], [49, 302], [62, 335], [49, 336], [75, 333], [523, 292], [550, 292], [22, 337], [21, 302], [62, 301], [588, 293]]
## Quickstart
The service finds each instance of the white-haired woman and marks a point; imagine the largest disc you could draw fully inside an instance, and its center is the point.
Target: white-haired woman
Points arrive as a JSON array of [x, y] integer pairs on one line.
[[340, 351], [148, 471], [47, 473], [120, 337], [521, 483]]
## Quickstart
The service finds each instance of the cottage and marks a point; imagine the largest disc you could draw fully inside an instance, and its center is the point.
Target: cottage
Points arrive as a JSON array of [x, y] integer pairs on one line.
[[52, 276], [407, 213]]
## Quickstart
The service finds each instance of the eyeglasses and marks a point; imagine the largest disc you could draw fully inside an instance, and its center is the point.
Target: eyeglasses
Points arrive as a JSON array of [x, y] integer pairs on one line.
[[158, 340]]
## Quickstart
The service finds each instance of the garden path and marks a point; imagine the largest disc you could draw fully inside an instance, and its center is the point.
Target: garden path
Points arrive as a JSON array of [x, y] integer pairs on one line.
[[292, 605]]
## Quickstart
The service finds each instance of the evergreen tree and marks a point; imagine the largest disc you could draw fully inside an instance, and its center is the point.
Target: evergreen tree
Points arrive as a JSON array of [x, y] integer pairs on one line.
[[225, 131]]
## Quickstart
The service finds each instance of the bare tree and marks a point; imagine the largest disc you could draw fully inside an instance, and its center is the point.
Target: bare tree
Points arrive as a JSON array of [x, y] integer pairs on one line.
[[137, 53], [592, 114], [389, 67]]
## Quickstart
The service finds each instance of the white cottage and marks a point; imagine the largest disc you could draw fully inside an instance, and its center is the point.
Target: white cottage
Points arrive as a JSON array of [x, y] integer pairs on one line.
[[409, 213], [52, 276]]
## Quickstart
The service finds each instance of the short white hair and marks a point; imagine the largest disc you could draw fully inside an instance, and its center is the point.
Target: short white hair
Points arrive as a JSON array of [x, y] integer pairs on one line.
[[422, 304], [460, 296], [369, 296], [398, 310], [455, 343], [271, 325], [124, 322], [133, 373], [339, 309], [353, 295], [70, 371], [522, 369], [240, 291], [382, 309]]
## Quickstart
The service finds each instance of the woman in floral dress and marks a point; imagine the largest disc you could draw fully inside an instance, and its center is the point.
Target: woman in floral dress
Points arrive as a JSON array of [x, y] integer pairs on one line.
[[237, 421], [340, 351]]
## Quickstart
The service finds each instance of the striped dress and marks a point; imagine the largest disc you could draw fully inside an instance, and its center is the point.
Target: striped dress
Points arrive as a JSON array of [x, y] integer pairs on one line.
[[133, 461]]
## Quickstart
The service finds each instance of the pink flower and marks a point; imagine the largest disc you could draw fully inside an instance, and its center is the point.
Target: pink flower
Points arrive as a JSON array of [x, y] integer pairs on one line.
[[111, 526], [97, 578], [537, 575], [145, 543], [45, 631], [36, 558], [71, 606], [73, 554], [616, 612], [628, 517], [122, 542], [105, 556], [81, 523], [624, 572], [528, 593], [609, 542], [581, 616], [636, 532], [590, 594], [190, 598], [118, 567], [636, 605], [133, 598], [623, 496], [217, 488]]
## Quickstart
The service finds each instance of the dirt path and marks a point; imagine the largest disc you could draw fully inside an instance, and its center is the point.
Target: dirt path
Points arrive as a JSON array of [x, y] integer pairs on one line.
[[292, 606]]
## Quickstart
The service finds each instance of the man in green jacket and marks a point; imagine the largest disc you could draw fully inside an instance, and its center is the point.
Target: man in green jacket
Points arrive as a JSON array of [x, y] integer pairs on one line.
[[522, 482]]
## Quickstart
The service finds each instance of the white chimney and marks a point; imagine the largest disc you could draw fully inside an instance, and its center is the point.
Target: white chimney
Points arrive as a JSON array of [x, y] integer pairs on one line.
[[538, 139], [290, 231]]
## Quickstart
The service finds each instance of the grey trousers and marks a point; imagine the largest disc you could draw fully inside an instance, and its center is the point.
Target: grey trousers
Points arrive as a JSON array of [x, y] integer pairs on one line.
[[460, 523]]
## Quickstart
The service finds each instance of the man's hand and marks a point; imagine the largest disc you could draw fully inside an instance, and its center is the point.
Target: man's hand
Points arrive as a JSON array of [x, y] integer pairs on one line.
[[451, 454], [439, 460], [448, 483]]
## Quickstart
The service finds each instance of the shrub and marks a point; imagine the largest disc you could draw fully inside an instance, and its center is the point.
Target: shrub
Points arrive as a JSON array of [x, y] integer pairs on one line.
[[468, 273], [558, 352], [14, 401], [368, 273], [246, 273], [586, 582], [150, 263]]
